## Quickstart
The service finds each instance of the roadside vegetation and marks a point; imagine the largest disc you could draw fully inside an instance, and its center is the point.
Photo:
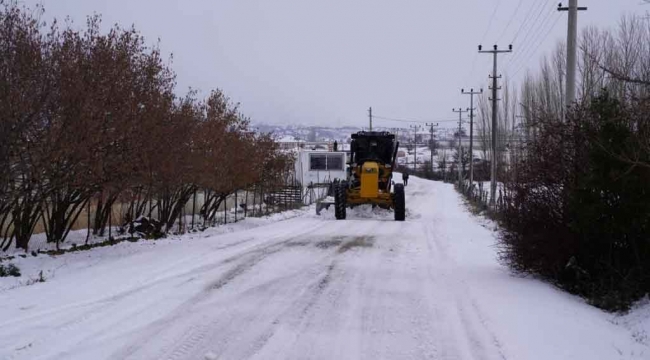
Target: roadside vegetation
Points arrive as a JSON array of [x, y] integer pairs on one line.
[[575, 203], [90, 118]]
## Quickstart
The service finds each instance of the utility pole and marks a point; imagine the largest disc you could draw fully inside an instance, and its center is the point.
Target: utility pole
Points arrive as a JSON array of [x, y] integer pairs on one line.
[[471, 94], [431, 143], [494, 88], [460, 149], [415, 147], [571, 49], [370, 117]]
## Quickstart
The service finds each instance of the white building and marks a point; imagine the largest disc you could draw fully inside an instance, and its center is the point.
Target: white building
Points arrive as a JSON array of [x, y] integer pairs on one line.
[[317, 167]]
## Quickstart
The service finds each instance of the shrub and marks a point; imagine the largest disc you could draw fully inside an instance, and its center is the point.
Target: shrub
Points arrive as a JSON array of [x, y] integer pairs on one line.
[[9, 270], [580, 211]]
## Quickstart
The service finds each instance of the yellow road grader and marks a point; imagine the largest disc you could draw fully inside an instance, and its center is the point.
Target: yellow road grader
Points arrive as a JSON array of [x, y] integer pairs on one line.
[[369, 175]]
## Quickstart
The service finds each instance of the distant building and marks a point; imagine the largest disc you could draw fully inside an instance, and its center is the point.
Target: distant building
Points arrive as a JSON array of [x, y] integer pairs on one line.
[[317, 167], [290, 143]]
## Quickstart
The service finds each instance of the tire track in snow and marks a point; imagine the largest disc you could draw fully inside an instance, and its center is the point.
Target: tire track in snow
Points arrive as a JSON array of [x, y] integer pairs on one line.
[[260, 326], [138, 287], [188, 346], [301, 306], [103, 307], [481, 340], [189, 341]]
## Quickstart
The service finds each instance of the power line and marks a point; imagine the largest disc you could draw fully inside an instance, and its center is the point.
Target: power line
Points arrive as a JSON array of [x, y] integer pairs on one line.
[[523, 63], [494, 12], [533, 28], [491, 20], [523, 23], [410, 120], [512, 17], [533, 44]]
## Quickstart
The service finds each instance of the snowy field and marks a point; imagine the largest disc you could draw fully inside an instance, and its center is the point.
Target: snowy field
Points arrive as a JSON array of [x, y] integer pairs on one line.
[[299, 286]]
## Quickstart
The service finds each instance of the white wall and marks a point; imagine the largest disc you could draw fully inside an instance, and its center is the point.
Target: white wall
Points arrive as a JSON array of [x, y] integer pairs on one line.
[[307, 176]]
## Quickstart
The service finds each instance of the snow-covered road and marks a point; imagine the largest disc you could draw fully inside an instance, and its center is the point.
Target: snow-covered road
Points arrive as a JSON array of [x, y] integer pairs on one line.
[[312, 288]]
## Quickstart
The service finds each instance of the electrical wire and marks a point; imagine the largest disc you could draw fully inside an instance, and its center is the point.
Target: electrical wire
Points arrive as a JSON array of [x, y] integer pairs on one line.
[[528, 46], [533, 28], [410, 120], [494, 12], [523, 23], [491, 20], [523, 64], [512, 17]]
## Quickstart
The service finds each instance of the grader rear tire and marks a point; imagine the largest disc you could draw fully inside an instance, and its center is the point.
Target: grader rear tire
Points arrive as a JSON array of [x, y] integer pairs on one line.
[[340, 200], [400, 203]]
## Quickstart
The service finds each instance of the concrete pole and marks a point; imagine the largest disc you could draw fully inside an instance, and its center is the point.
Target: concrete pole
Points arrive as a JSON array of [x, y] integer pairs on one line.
[[431, 125], [415, 147], [495, 114], [572, 50], [471, 93], [460, 153], [572, 35]]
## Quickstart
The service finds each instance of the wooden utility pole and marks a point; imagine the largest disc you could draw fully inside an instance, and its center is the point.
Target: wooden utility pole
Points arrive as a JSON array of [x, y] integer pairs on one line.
[[370, 117]]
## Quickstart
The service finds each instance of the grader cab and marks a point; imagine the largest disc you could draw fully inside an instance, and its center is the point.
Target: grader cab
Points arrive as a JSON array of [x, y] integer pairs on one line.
[[370, 173]]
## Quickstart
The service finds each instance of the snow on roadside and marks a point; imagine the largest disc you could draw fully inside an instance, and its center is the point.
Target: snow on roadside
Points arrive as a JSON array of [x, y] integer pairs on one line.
[[501, 299], [637, 321], [31, 267]]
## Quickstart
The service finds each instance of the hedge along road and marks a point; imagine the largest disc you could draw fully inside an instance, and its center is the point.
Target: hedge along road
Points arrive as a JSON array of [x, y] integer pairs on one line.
[[313, 288]]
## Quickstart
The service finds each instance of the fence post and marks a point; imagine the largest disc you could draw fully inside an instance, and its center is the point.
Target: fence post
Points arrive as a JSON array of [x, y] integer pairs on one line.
[[110, 222], [254, 199], [88, 218], [180, 220], [246, 204], [193, 208]]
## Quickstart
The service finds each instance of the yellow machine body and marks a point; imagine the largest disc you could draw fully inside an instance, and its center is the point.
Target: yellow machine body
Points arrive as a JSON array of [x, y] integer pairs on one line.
[[373, 189], [370, 180]]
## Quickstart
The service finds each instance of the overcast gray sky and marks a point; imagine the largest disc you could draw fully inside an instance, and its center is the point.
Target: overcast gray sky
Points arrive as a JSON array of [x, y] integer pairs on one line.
[[324, 62]]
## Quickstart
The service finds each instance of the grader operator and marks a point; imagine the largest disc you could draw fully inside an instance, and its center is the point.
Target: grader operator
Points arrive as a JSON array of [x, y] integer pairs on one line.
[[370, 173]]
